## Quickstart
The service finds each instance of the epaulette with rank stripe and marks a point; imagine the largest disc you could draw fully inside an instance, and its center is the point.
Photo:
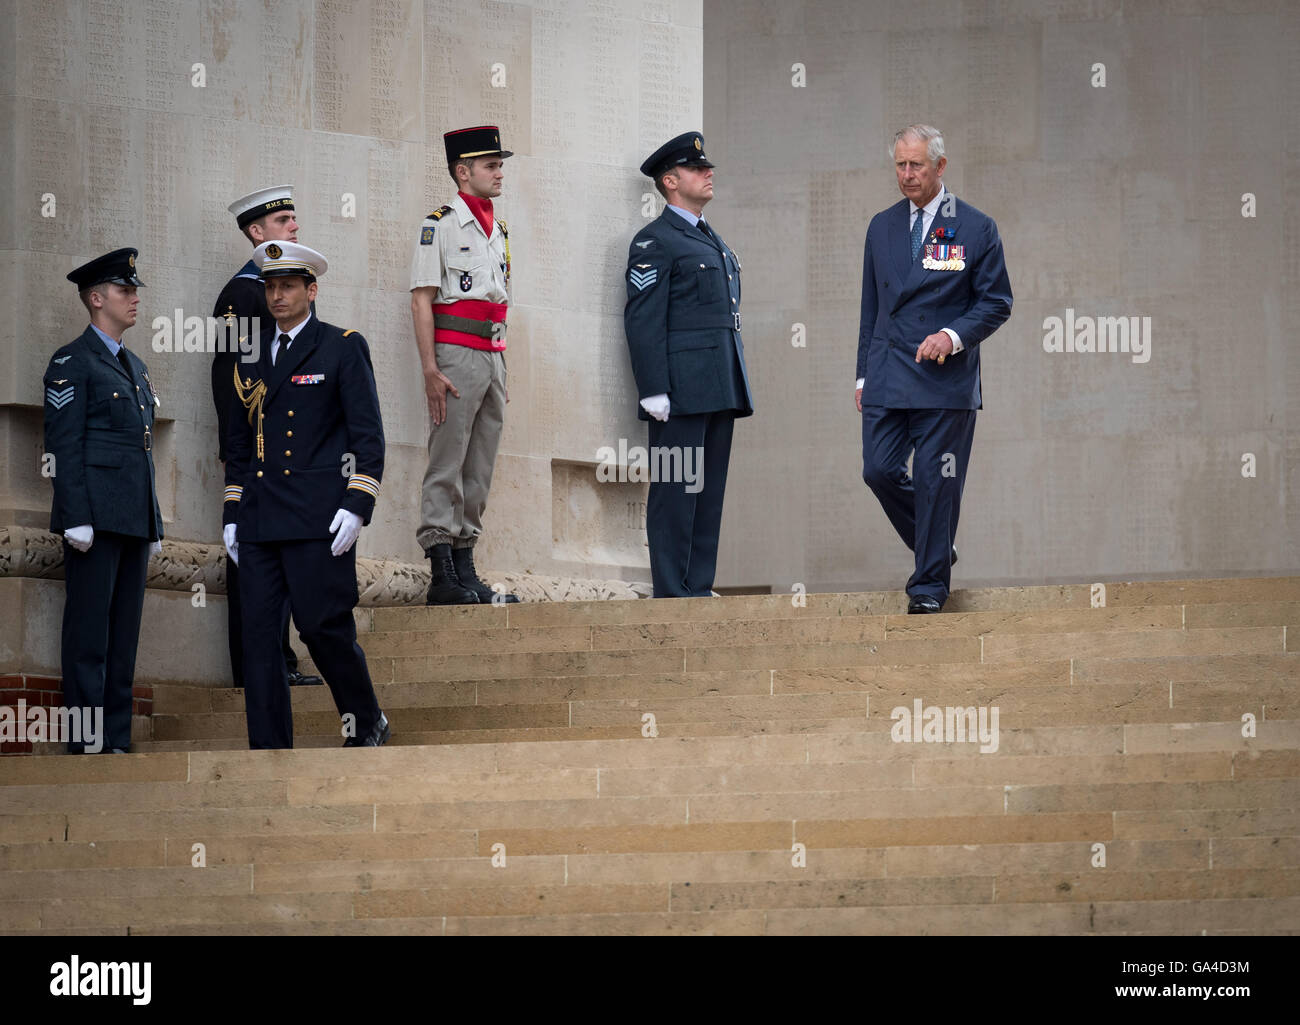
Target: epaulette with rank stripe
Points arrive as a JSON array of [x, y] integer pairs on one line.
[[437, 214], [349, 331]]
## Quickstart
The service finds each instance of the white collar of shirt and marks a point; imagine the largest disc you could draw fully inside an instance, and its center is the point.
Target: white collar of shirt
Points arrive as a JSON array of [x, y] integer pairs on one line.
[[929, 210], [113, 344], [692, 219], [292, 333]]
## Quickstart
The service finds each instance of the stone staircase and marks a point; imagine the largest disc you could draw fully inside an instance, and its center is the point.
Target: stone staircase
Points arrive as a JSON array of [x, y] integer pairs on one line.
[[715, 766]]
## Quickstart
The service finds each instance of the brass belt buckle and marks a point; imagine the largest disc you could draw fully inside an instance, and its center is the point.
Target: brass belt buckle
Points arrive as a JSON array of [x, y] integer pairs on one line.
[[148, 440]]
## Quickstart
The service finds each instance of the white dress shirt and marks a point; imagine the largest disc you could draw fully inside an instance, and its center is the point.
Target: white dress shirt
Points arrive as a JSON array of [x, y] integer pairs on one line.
[[292, 333]]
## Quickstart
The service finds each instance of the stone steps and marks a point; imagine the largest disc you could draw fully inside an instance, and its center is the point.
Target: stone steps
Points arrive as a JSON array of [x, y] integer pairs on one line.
[[518, 734]]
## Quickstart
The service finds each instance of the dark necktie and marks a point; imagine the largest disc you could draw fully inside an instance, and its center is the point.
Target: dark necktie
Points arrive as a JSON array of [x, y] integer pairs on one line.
[[917, 232], [704, 227], [284, 347], [121, 358]]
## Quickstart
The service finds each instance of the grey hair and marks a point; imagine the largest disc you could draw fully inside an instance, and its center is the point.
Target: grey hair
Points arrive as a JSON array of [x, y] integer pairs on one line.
[[932, 137]]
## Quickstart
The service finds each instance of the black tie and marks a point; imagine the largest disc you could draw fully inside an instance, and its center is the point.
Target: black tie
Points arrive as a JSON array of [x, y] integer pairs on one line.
[[121, 358], [284, 347]]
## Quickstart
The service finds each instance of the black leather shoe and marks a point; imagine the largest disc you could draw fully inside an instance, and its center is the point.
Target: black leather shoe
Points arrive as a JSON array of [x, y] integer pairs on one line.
[[377, 737], [953, 560], [923, 604], [297, 679], [120, 751], [463, 559], [445, 587]]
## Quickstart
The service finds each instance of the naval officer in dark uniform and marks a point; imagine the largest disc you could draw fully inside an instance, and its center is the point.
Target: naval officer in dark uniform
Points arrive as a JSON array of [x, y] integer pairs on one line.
[[99, 407], [306, 455], [682, 321], [266, 215]]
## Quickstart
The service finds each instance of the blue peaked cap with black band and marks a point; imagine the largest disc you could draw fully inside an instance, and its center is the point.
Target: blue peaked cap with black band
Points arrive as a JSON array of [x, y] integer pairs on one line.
[[684, 151]]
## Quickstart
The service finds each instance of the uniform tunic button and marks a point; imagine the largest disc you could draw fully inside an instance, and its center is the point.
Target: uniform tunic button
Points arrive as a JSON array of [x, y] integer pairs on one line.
[[142, 409], [733, 300], [728, 277], [259, 473], [287, 452], [114, 394], [286, 473], [137, 387], [291, 412], [288, 434], [702, 267]]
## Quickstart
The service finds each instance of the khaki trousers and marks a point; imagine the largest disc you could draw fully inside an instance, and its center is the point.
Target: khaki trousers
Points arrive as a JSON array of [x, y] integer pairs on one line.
[[463, 448]]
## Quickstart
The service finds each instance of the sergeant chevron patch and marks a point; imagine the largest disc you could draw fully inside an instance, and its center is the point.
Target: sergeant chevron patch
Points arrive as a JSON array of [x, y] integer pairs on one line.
[[643, 279], [59, 399]]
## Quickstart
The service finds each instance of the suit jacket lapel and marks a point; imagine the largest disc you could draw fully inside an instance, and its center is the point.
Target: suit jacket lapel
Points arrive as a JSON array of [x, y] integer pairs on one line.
[[301, 347], [918, 273]]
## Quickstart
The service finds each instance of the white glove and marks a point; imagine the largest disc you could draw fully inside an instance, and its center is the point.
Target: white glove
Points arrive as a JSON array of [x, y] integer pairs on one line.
[[656, 406], [348, 525], [232, 546], [81, 538], [154, 548]]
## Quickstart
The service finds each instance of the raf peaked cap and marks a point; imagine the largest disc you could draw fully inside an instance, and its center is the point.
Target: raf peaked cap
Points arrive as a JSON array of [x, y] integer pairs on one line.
[[117, 267], [281, 259], [684, 151], [257, 204], [483, 141]]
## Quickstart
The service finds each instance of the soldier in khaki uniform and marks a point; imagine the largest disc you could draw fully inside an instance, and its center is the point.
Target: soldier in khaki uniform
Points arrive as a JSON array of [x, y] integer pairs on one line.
[[460, 281]]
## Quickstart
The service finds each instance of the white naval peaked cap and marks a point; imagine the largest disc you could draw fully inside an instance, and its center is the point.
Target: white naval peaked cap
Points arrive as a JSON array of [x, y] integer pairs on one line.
[[260, 203], [278, 259]]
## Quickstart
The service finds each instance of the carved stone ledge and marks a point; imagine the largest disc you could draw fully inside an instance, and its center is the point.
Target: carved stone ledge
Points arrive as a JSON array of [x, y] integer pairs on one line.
[[31, 552]]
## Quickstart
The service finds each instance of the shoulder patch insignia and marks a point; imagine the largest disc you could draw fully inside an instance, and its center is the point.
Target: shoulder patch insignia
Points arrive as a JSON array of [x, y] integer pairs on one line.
[[439, 213], [645, 244], [349, 331], [63, 359], [426, 235]]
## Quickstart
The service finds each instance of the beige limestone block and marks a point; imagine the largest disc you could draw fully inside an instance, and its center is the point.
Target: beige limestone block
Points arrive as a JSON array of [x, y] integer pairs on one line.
[[950, 829], [513, 900], [431, 788], [237, 849], [713, 836], [571, 813], [17, 857], [362, 877], [736, 923], [722, 866]]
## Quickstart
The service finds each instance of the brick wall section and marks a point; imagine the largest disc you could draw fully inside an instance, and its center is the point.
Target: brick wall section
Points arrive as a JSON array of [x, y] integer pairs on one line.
[[47, 691]]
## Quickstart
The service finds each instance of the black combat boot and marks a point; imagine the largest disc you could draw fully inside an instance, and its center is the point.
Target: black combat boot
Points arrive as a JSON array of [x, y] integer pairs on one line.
[[445, 588], [468, 576]]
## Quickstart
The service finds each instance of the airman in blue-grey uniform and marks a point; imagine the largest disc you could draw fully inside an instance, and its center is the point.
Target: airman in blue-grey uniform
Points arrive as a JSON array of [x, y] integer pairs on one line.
[[682, 321], [99, 410]]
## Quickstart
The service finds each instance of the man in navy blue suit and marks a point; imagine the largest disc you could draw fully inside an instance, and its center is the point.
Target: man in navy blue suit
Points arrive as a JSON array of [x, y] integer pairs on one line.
[[934, 285]]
